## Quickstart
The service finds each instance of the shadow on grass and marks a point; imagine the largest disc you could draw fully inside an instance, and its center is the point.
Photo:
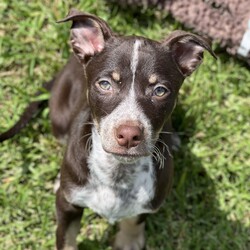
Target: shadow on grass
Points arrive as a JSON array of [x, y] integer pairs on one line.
[[191, 214]]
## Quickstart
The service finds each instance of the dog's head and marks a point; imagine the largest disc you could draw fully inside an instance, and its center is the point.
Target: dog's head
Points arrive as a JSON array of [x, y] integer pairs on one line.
[[133, 82]]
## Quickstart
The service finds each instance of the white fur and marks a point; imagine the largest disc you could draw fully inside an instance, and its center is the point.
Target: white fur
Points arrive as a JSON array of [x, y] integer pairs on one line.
[[109, 198], [134, 61]]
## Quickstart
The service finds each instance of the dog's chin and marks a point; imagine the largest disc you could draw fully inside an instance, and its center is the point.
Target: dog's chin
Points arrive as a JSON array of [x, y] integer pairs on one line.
[[127, 155], [127, 159]]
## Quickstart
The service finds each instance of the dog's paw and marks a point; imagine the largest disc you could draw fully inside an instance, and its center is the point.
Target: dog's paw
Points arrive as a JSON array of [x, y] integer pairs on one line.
[[129, 242]]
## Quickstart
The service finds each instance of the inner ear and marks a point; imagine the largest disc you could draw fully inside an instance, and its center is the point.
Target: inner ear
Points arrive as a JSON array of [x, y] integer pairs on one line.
[[88, 34], [188, 55], [86, 39], [187, 50]]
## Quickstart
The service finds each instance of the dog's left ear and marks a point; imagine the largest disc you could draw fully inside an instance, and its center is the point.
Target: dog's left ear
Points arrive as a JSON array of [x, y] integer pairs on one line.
[[88, 34], [187, 50]]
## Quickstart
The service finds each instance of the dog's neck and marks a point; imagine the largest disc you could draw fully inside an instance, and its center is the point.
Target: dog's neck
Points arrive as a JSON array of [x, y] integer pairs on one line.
[[110, 169]]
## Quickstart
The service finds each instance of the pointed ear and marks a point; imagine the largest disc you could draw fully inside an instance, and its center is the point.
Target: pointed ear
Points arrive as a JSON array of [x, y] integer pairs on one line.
[[88, 34], [187, 50]]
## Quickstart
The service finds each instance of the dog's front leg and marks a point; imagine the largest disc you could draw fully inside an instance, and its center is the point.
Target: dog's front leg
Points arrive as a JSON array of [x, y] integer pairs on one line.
[[68, 223], [131, 234]]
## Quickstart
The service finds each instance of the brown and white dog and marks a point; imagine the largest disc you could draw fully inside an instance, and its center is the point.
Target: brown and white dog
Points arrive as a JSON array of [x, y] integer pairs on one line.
[[113, 100]]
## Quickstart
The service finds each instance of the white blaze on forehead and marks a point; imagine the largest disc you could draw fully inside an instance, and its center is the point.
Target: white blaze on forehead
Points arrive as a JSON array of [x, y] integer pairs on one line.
[[134, 60]]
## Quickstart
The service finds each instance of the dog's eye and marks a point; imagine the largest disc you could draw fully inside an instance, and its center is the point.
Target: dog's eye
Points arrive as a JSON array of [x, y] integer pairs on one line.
[[160, 91], [105, 85]]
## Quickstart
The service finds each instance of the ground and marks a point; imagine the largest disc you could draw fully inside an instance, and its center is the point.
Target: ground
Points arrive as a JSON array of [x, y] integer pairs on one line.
[[209, 207]]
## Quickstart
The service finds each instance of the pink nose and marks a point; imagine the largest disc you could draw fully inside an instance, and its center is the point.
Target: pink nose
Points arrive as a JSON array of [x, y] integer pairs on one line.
[[128, 136]]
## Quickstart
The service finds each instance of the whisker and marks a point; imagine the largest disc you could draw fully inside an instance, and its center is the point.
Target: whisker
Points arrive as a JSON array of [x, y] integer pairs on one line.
[[104, 111], [165, 146], [88, 144], [158, 156], [157, 159], [166, 132], [88, 123], [81, 138], [155, 155]]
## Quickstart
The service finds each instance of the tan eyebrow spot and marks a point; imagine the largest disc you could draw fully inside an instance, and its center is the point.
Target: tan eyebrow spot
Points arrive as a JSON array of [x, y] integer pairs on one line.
[[152, 79], [116, 76]]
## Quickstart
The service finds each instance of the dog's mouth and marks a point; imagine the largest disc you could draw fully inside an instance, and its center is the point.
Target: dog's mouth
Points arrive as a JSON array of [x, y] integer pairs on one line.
[[129, 158], [126, 157]]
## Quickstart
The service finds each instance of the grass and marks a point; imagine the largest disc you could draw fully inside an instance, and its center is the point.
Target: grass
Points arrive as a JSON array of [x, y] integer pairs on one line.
[[209, 207]]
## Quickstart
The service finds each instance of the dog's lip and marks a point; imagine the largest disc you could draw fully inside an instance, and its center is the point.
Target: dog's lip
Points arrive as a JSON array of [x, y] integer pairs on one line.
[[127, 155]]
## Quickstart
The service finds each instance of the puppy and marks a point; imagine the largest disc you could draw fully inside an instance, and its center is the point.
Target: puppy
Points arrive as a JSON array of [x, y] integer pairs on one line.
[[113, 102]]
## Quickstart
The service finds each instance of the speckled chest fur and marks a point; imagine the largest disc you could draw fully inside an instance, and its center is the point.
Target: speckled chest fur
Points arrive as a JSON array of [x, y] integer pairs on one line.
[[115, 190]]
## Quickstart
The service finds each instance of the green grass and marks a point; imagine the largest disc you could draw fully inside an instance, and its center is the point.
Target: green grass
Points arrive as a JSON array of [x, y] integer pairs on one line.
[[209, 207]]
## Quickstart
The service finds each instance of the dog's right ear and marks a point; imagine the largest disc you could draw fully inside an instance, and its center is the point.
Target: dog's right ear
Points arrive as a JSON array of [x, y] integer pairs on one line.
[[88, 34]]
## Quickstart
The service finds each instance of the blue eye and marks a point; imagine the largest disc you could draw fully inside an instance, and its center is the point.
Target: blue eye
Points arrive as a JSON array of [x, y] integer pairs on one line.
[[105, 85], [160, 91]]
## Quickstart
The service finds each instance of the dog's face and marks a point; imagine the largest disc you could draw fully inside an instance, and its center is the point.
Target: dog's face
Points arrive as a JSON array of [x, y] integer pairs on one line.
[[133, 82], [132, 92]]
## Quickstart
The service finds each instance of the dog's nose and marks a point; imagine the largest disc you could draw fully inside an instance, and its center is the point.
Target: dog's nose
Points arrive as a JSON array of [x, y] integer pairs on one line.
[[128, 136]]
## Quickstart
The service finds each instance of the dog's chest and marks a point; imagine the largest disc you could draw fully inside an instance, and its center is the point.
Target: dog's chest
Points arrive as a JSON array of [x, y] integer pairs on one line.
[[117, 191]]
